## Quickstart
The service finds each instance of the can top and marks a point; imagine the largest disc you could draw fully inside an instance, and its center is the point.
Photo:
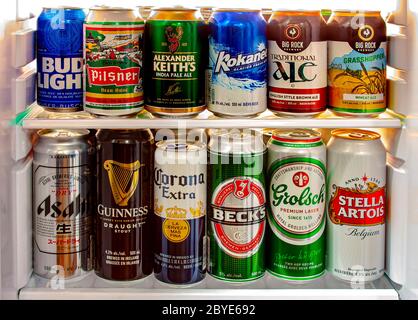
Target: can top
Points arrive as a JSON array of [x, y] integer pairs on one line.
[[236, 10], [236, 142], [62, 133], [300, 12], [297, 135], [346, 12], [62, 8], [355, 134], [175, 146], [174, 8], [108, 8]]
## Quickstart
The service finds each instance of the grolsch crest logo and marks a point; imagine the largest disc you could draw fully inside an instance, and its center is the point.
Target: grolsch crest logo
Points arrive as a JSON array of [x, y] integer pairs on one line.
[[173, 36], [242, 188]]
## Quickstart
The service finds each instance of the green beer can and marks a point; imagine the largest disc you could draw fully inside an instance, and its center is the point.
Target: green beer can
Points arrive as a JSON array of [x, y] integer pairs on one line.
[[237, 197], [176, 57], [296, 210]]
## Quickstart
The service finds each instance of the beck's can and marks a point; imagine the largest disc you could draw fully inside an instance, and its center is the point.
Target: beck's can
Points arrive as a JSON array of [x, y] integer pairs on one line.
[[237, 198], [237, 63], [175, 55], [113, 53], [356, 205], [62, 217], [180, 212], [296, 211], [59, 50]]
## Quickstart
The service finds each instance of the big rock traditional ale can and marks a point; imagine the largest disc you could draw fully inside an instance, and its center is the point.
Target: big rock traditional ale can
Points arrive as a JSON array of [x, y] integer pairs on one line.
[[113, 54], [180, 212], [176, 58], [357, 63], [237, 198], [237, 63], [297, 63], [297, 200], [124, 204], [62, 207], [356, 205], [59, 50]]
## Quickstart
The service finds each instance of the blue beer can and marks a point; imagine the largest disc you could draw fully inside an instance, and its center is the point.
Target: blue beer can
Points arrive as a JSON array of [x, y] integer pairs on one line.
[[60, 59], [237, 72]]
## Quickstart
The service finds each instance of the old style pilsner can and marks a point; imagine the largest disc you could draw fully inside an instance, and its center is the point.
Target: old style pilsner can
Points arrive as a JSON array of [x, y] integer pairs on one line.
[[180, 212], [62, 217], [356, 205], [175, 62], [296, 214], [237, 216]]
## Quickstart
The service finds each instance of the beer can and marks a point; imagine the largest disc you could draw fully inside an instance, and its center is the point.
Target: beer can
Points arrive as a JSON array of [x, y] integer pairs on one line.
[[59, 51], [237, 63], [62, 217], [297, 58], [237, 198], [113, 53], [356, 205], [180, 212], [124, 204], [357, 58], [297, 200], [175, 55]]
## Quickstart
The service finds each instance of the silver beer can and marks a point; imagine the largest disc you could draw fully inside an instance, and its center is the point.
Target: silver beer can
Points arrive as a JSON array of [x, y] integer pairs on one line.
[[356, 205], [62, 220]]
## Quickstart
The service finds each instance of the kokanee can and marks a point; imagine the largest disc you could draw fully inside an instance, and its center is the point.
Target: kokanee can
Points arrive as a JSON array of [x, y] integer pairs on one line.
[[62, 216], [124, 204], [175, 55], [297, 58], [357, 55], [237, 73], [297, 201], [180, 212], [59, 51], [237, 198], [356, 205], [113, 54]]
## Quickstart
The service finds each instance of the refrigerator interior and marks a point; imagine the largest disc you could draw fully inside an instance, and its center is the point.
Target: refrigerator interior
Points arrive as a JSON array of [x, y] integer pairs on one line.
[[398, 126]]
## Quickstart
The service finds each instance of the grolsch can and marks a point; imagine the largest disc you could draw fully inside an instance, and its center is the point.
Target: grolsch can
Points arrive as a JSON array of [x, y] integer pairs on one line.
[[297, 55], [237, 63], [237, 198], [124, 204], [180, 212], [59, 51], [175, 62], [357, 57], [297, 201], [62, 212], [113, 53], [356, 205]]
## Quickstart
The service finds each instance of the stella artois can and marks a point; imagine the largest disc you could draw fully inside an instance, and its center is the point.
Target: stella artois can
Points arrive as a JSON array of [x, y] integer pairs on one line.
[[237, 198], [296, 211], [356, 205]]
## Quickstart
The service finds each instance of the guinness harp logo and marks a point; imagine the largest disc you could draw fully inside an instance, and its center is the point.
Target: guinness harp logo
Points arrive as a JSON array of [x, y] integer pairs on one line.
[[123, 179]]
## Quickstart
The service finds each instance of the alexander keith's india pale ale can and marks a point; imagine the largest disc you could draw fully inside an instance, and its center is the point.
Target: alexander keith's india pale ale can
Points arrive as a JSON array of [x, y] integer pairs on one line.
[[297, 199], [356, 205]]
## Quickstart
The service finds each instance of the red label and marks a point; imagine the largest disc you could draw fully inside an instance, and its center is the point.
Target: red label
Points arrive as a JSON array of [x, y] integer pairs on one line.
[[113, 76], [241, 188], [354, 208], [298, 100]]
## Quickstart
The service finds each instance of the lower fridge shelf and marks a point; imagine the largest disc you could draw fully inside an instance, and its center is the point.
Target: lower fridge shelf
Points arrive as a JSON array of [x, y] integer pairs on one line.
[[267, 288]]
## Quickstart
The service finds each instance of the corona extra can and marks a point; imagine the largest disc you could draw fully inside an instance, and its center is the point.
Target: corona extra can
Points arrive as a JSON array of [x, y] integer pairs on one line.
[[297, 200], [237, 214], [356, 205]]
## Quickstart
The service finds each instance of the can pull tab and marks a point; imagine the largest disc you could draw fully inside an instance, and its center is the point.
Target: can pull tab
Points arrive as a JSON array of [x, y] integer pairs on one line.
[[177, 146], [357, 135], [299, 134]]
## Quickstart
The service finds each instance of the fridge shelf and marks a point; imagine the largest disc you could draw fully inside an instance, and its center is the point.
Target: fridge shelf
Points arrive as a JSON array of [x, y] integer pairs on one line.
[[267, 288], [35, 117]]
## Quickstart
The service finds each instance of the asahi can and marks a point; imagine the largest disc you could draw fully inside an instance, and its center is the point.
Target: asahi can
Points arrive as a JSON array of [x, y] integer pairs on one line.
[[113, 53], [180, 212], [124, 204], [237, 198], [297, 55], [356, 205], [175, 62], [297, 201], [62, 217]]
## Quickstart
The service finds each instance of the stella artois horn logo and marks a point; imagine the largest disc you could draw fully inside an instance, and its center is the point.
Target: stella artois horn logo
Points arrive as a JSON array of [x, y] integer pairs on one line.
[[241, 188], [173, 37]]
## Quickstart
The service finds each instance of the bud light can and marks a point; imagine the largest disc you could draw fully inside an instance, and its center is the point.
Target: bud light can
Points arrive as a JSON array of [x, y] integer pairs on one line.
[[60, 59], [237, 63]]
